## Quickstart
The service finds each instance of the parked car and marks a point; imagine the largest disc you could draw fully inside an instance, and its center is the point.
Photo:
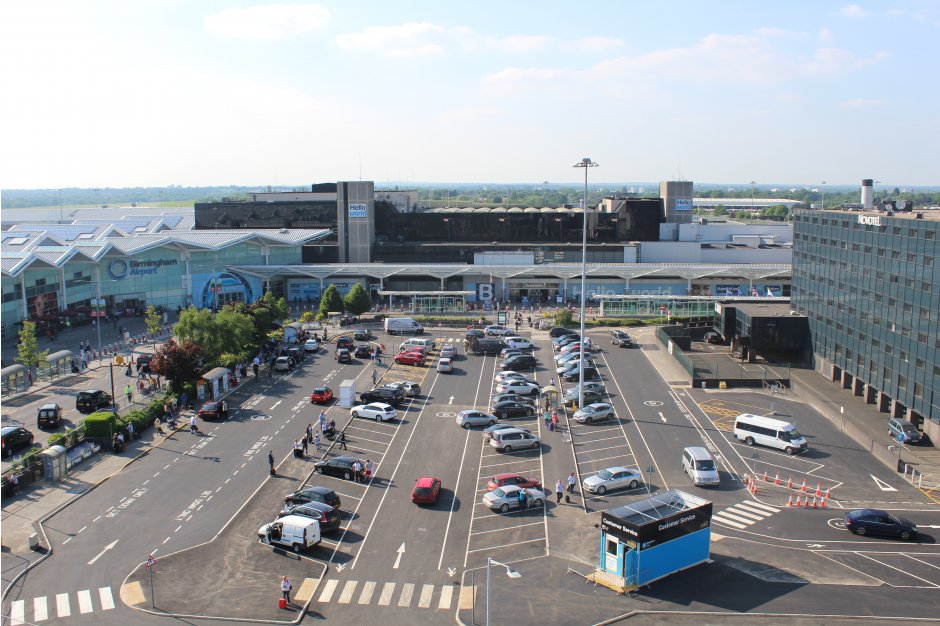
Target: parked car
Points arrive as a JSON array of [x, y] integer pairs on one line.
[[296, 354], [211, 411], [379, 411], [313, 494], [620, 338], [512, 408], [489, 430], [388, 395], [574, 365], [485, 345], [49, 416], [510, 375], [283, 364], [363, 351], [345, 342], [343, 355], [503, 397], [712, 337], [445, 365], [426, 490], [590, 373], [497, 331], [312, 345], [575, 355], [508, 352], [560, 331], [505, 498], [409, 389], [590, 397], [591, 385], [362, 334], [91, 400], [902, 430], [511, 478], [338, 466], [329, 518], [410, 358], [596, 412], [612, 478], [519, 362], [473, 333], [519, 343], [564, 340], [878, 522], [472, 417], [13, 438], [448, 351], [569, 347], [143, 361], [321, 395], [514, 439], [521, 387]]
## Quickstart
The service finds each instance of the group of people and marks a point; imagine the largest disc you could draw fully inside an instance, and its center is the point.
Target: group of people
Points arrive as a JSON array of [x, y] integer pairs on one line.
[[363, 473]]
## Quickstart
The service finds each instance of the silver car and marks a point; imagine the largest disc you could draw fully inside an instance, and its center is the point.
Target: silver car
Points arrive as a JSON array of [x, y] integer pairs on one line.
[[594, 413], [507, 497], [410, 389], [591, 385], [472, 417], [612, 478], [449, 351]]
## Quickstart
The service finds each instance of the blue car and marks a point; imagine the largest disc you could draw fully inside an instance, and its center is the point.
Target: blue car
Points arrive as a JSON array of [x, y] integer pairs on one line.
[[878, 522]]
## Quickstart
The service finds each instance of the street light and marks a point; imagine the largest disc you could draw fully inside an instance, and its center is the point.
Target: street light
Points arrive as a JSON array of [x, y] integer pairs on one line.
[[586, 163], [489, 586], [823, 192]]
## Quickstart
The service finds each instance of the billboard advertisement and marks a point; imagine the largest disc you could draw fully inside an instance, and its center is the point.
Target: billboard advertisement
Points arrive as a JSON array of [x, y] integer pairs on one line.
[[219, 288], [358, 210]]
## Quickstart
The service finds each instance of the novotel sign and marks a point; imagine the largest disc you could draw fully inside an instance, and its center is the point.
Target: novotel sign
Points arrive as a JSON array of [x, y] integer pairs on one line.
[[869, 220]]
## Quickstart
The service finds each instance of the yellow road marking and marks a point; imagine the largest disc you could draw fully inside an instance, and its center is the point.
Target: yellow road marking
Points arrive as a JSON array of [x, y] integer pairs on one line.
[[132, 594], [306, 590], [466, 598]]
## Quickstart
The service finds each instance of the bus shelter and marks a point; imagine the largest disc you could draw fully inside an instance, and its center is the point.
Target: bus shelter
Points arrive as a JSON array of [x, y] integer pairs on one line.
[[213, 384], [56, 365], [14, 379], [646, 541]]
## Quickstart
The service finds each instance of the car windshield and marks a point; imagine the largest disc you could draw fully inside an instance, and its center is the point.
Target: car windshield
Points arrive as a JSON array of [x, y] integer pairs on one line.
[[706, 466], [908, 428], [604, 475], [790, 435], [422, 491], [499, 493]]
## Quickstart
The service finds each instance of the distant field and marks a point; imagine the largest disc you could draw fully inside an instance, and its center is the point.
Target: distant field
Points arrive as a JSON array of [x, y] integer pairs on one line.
[[156, 205]]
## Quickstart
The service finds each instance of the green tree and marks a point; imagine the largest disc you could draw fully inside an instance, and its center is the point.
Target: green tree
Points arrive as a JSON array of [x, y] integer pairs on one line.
[[154, 321], [28, 348], [226, 331], [306, 317], [563, 317], [331, 302], [179, 363], [277, 306], [720, 210], [357, 301]]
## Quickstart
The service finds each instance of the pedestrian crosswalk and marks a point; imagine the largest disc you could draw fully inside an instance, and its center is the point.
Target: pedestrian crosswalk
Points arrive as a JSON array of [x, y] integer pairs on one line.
[[403, 595], [85, 603], [743, 514]]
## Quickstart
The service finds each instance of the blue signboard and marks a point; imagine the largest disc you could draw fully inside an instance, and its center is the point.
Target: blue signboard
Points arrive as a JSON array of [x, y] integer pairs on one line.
[[358, 210]]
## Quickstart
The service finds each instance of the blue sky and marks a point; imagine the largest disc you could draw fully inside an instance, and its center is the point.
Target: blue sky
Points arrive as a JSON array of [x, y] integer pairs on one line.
[[159, 92]]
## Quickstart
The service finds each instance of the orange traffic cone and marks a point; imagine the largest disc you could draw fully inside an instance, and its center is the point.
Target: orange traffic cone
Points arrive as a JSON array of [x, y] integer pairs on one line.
[[803, 488], [790, 482], [818, 490], [777, 479], [813, 505], [790, 501], [822, 503], [828, 489], [799, 501]]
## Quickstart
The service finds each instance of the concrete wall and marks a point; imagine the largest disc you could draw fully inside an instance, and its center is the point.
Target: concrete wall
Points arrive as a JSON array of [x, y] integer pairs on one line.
[[670, 252], [356, 234], [782, 233]]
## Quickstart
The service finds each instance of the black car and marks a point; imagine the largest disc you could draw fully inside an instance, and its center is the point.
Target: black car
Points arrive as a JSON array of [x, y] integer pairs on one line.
[[389, 395], [91, 400], [363, 352], [559, 331], [49, 416], [313, 494], [343, 356], [512, 408], [712, 337], [295, 353], [143, 361], [878, 522], [339, 466], [590, 397], [519, 362], [345, 342], [620, 338], [361, 334], [329, 517], [474, 333], [485, 345], [590, 373], [13, 438], [513, 397]]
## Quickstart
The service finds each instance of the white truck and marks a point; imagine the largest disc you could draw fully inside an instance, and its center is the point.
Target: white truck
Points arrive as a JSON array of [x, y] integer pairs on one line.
[[402, 326]]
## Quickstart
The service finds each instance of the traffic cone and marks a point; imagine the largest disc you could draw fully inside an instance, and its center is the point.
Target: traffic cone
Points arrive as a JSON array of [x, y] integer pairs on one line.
[[777, 479], [814, 502], [818, 490], [799, 501], [790, 482], [828, 489], [790, 501], [765, 475], [822, 503], [803, 488]]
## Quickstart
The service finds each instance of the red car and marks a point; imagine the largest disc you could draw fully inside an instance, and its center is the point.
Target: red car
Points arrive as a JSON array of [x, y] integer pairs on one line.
[[509, 478], [409, 358], [426, 490], [321, 395], [212, 411]]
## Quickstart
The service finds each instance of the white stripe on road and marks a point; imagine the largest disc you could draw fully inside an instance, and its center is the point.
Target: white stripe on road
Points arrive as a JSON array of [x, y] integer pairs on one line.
[[40, 609], [741, 520], [107, 600], [447, 592], [427, 593], [387, 592], [328, 590], [62, 607], [366, 596], [760, 506], [721, 520], [17, 612], [746, 513], [407, 590], [84, 601], [348, 591]]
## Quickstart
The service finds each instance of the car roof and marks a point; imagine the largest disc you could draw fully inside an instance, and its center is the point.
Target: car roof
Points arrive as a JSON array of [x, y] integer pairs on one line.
[[503, 475], [426, 481], [283, 358], [9, 429], [382, 405], [316, 489], [49, 405], [514, 430], [859, 512], [320, 506], [324, 388], [618, 468]]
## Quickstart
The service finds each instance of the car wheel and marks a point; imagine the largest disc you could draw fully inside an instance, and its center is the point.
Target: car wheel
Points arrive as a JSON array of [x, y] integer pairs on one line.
[[355, 414], [538, 502], [749, 441], [295, 547], [589, 420], [905, 535], [504, 508], [535, 445], [347, 475], [507, 448], [790, 450], [529, 413], [505, 415], [860, 530], [634, 484], [490, 423], [378, 417], [602, 490], [319, 470], [466, 425]]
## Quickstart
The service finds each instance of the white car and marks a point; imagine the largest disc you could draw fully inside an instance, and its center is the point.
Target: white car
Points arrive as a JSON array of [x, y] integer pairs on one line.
[[612, 478], [444, 364], [311, 345], [594, 413], [282, 364], [510, 375], [379, 411], [518, 343], [473, 417], [449, 351], [519, 387], [507, 497], [497, 330]]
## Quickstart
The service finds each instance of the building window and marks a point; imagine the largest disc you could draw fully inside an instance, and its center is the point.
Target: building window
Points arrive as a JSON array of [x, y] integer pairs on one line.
[[918, 391], [911, 257], [929, 235]]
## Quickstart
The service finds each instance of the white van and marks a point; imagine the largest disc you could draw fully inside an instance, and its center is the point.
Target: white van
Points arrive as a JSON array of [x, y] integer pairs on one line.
[[427, 344], [402, 326], [698, 463], [294, 531], [767, 431]]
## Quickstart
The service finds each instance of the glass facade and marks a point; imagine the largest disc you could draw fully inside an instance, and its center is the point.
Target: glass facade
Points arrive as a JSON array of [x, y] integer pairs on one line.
[[869, 285]]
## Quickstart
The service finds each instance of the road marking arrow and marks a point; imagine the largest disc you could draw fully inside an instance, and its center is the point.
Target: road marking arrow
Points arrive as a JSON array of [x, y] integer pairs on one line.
[[100, 554], [275, 404], [401, 551], [451, 400], [340, 567], [882, 484], [451, 571], [662, 417], [815, 545]]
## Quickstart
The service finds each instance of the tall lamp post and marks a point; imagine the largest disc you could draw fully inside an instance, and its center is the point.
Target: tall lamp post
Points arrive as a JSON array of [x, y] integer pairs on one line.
[[489, 585], [822, 191], [585, 163]]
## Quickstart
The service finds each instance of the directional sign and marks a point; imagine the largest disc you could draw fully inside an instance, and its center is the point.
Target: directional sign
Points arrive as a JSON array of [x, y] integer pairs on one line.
[[401, 551], [653, 403], [882, 484]]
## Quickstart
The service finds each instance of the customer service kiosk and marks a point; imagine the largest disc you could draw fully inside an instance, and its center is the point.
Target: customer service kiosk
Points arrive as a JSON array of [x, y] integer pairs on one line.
[[650, 539]]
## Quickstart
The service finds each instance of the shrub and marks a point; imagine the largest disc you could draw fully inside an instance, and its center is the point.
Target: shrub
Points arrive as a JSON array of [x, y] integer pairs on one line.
[[563, 318], [101, 424]]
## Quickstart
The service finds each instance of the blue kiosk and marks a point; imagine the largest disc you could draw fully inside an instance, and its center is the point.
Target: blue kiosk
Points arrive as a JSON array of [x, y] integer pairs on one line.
[[650, 539]]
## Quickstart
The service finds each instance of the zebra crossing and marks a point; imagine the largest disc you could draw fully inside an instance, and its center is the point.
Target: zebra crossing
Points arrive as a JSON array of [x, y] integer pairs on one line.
[[63, 606], [744, 514], [402, 595]]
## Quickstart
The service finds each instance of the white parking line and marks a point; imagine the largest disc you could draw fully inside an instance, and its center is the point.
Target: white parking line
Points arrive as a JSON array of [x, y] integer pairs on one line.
[[499, 530], [506, 545], [447, 593], [898, 569]]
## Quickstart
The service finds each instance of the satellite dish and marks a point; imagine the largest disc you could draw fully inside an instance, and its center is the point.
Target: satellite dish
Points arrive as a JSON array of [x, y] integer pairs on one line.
[[901, 204]]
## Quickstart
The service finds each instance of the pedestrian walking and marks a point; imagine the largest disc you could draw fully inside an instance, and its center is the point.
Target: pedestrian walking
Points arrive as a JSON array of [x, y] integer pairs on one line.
[[271, 461], [128, 392], [342, 440], [523, 502], [572, 481], [559, 491], [158, 425], [14, 483], [554, 423], [316, 441], [305, 443], [370, 467], [310, 432], [551, 381], [322, 418], [193, 428], [548, 418], [130, 431], [375, 376], [286, 588]]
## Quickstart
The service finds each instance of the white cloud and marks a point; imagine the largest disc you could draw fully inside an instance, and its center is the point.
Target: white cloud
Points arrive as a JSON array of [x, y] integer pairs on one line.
[[861, 103], [273, 21], [520, 43], [854, 10], [825, 36], [405, 40], [593, 44]]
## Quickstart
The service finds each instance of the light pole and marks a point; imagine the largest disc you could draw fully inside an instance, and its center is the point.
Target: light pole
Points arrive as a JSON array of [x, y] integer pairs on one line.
[[822, 191], [489, 585], [586, 163], [753, 182]]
